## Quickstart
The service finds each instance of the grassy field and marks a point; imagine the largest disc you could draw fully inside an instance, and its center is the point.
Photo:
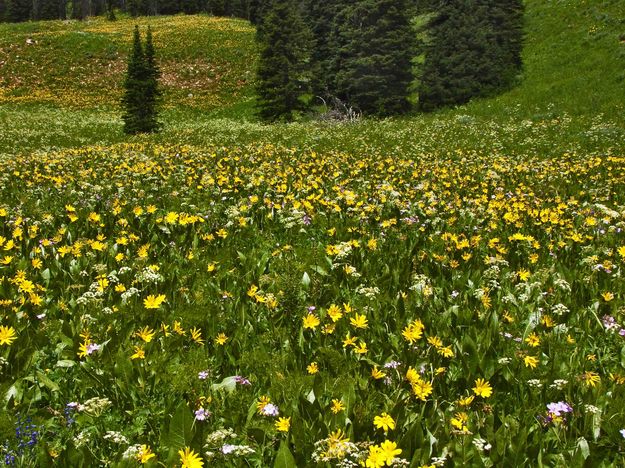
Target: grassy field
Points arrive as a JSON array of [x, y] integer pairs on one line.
[[432, 290]]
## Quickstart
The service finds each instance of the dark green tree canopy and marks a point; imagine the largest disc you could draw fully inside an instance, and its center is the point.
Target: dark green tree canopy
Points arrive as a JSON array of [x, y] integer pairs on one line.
[[374, 60], [475, 51], [283, 73]]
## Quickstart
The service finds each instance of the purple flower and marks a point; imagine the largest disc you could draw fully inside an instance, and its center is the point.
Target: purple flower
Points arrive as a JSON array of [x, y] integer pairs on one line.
[[202, 414], [270, 410], [392, 365], [556, 409], [622, 431], [202, 375], [241, 380], [92, 347]]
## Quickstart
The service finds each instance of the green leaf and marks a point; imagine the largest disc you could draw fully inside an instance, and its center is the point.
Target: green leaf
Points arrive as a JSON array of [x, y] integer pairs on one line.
[[53, 386], [181, 427], [65, 363], [228, 384], [284, 459], [306, 280]]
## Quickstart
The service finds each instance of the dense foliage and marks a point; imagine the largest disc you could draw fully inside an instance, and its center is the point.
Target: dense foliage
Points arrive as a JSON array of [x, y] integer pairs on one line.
[[474, 50], [378, 45], [465, 308], [283, 73]]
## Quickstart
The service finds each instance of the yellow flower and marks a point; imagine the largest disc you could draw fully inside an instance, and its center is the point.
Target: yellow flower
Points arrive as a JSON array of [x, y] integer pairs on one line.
[[154, 302], [139, 353], [376, 458], [337, 406], [145, 454], [530, 361], [221, 339], [196, 335], [146, 334], [377, 374], [482, 388], [390, 451], [312, 368], [311, 321], [190, 459], [446, 351], [459, 422], [466, 401], [607, 296], [523, 274], [262, 402], [422, 389], [384, 422], [335, 313], [349, 340], [359, 321], [533, 340], [361, 348], [435, 341], [283, 424], [414, 331], [590, 378], [621, 251], [7, 335]]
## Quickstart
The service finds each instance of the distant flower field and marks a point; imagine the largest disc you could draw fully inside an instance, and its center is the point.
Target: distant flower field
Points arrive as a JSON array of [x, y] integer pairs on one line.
[[264, 306]]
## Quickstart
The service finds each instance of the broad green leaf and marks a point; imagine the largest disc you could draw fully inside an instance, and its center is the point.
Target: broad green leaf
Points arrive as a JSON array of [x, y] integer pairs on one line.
[[284, 458]]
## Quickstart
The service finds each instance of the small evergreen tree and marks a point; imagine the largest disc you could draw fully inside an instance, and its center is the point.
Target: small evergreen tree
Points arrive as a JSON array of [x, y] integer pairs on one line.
[[152, 91], [282, 71], [375, 75], [141, 93]]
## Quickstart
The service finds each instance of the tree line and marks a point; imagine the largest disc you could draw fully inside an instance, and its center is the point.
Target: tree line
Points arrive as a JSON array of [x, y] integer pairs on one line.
[[24, 10], [370, 56]]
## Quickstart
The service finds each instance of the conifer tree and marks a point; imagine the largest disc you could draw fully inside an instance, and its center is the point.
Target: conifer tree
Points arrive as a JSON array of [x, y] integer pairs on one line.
[[18, 10], [475, 50], [152, 91], [282, 73], [141, 93], [319, 16], [375, 70]]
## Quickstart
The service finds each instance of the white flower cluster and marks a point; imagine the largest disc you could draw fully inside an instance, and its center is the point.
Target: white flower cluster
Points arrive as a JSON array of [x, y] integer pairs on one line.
[[147, 275], [481, 444], [131, 452], [96, 406], [128, 293], [559, 309], [559, 384], [115, 437]]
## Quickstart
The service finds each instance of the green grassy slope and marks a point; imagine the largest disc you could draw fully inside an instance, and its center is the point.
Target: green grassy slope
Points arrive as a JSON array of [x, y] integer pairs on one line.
[[206, 63], [63, 91]]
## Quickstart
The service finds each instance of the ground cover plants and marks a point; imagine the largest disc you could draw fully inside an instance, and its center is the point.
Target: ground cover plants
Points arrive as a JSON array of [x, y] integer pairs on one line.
[[465, 309], [431, 290]]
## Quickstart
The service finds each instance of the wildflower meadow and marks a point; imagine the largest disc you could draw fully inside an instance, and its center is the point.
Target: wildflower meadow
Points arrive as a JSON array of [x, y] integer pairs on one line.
[[266, 306]]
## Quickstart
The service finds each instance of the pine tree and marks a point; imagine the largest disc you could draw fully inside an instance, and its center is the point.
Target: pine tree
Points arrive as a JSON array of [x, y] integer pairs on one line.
[[152, 91], [141, 93], [375, 69], [319, 16], [475, 51], [18, 10], [282, 71]]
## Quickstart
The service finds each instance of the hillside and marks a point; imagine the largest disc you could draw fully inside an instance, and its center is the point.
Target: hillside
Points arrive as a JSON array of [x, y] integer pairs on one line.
[[206, 62], [438, 289], [63, 89]]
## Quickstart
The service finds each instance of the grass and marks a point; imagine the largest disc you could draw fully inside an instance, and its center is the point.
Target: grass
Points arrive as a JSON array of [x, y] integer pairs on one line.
[[574, 73], [460, 272]]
